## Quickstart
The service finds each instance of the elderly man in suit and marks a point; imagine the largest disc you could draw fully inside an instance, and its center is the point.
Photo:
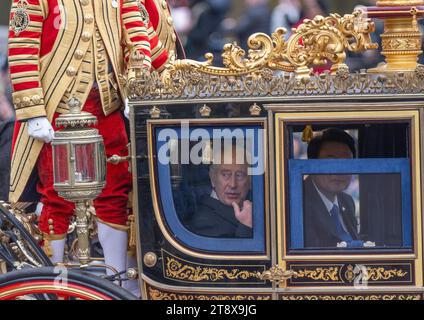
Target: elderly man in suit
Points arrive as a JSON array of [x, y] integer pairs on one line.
[[226, 212], [329, 213]]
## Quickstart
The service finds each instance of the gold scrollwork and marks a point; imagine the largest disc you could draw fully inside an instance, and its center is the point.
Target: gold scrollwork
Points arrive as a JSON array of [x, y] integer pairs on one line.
[[155, 294], [354, 297], [320, 273], [315, 42], [176, 270], [28, 220], [380, 273]]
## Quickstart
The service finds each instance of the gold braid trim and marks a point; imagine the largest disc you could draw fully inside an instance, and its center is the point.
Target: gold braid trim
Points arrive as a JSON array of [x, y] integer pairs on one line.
[[47, 247], [47, 238], [29, 103], [132, 236], [51, 237], [114, 225]]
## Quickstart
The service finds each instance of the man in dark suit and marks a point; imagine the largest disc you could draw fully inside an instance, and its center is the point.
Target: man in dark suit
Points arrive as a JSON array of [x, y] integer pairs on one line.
[[329, 213], [225, 213]]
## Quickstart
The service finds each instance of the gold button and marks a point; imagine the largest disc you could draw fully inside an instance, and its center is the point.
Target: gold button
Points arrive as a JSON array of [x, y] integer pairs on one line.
[[71, 72], [50, 221], [164, 4], [86, 36], [51, 232], [170, 21], [79, 54], [99, 56], [88, 18], [51, 227]]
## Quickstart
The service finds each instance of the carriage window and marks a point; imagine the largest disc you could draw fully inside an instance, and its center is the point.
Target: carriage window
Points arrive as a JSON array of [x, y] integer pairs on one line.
[[349, 186], [332, 210], [211, 182]]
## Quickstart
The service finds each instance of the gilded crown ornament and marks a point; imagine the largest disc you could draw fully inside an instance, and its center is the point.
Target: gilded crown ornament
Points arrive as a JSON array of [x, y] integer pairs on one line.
[[155, 112], [205, 111], [255, 110]]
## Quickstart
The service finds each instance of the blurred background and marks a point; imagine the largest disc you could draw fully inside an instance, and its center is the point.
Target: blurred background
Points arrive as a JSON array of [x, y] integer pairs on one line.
[[206, 25]]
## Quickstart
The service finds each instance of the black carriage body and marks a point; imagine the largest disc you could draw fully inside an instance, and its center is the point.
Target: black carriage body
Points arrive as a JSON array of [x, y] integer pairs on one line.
[[384, 116]]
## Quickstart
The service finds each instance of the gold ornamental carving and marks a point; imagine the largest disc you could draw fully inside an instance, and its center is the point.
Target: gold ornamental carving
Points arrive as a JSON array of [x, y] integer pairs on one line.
[[395, 43], [277, 275], [402, 38], [381, 274], [354, 297], [28, 220], [189, 84], [155, 294], [394, 3], [177, 270], [320, 273], [205, 111], [155, 112], [315, 42], [255, 110]]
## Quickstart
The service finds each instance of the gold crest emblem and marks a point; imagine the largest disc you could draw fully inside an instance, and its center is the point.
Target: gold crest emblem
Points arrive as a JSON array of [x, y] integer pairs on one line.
[[144, 13], [20, 18]]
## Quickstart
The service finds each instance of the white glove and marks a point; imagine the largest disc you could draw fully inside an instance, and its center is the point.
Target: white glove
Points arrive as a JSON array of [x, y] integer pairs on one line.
[[127, 109], [40, 129]]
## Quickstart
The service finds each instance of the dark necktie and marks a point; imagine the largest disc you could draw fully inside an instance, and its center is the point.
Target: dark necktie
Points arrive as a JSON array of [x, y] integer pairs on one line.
[[341, 233]]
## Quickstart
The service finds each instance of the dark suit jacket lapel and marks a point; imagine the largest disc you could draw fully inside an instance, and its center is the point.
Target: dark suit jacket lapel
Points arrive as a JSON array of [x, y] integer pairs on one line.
[[223, 211], [319, 208]]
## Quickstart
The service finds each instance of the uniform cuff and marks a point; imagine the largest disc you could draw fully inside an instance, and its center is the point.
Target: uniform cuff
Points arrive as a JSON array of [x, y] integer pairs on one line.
[[29, 104]]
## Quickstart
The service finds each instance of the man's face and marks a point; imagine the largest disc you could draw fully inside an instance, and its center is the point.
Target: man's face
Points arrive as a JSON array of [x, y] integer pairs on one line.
[[333, 184], [231, 183]]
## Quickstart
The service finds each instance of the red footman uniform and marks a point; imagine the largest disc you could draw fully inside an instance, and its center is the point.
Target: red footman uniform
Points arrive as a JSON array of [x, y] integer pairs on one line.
[[61, 49]]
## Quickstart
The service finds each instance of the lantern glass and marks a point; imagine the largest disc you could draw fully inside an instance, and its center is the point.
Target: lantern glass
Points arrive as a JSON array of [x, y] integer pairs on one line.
[[61, 169], [102, 159], [85, 163]]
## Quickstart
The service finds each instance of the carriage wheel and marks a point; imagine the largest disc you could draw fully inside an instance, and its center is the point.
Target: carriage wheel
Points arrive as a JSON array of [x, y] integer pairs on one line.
[[58, 283]]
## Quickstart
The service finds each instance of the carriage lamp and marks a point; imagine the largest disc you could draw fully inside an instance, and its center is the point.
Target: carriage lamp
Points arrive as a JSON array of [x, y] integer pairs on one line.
[[79, 166]]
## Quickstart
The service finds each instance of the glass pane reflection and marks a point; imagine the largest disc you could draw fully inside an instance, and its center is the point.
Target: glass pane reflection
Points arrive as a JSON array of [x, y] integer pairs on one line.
[[61, 173], [350, 210], [85, 171]]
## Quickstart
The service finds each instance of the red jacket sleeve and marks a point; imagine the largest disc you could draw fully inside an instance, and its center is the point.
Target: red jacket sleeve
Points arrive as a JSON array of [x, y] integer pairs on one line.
[[135, 31], [26, 25]]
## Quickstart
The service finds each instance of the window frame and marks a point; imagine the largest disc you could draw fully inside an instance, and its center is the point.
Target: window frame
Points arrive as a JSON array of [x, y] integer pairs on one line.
[[299, 168], [156, 191], [282, 119]]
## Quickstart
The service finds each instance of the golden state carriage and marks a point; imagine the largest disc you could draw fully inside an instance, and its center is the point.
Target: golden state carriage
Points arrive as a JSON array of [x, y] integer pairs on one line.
[[271, 102]]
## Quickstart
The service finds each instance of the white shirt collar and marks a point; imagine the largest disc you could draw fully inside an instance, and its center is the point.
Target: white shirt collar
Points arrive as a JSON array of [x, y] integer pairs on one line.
[[327, 202], [214, 195]]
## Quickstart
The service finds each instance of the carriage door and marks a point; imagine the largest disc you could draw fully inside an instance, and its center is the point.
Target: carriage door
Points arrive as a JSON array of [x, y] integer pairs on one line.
[[348, 202]]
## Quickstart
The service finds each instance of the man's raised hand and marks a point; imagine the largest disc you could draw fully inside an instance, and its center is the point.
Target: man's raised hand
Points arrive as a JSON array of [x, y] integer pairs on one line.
[[244, 215]]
